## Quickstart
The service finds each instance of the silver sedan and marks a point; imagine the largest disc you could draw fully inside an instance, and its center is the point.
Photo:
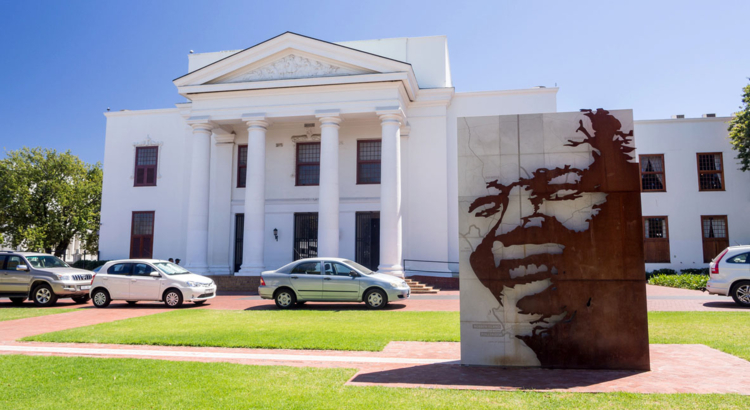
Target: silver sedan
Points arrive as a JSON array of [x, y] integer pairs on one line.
[[330, 280]]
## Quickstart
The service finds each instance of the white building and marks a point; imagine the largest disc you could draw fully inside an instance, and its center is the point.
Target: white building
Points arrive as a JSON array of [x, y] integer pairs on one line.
[[296, 147], [695, 200]]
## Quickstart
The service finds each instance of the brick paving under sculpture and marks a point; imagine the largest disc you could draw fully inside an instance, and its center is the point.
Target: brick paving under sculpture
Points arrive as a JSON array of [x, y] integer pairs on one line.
[[674, 368]]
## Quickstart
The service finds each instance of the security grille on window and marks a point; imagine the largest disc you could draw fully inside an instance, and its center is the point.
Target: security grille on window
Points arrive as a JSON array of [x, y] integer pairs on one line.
[[656, 239], [710, 172], [145, 166], [241, 166], [368, 162], [308, 163], [652, 173]]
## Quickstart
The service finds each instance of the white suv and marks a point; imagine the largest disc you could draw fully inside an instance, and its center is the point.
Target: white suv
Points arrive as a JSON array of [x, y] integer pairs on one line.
[[730, 274], [134, 280]]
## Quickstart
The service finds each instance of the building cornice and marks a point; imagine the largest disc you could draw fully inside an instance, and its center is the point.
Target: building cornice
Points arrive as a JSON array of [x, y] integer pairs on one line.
[[683, 120], [125, 113]]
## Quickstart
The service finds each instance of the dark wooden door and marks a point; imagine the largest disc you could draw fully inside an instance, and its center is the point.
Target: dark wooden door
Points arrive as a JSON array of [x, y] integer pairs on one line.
[[367, 248], [715, 235], [142, 235], [239, 234], [305, 235]]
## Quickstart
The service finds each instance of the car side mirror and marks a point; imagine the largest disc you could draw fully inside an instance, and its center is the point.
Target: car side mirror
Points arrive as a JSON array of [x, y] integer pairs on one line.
[[22, 268], [154, 274], [353, 274]]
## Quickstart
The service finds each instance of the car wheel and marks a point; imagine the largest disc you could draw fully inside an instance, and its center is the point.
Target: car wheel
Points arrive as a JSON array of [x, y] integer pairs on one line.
[[285, 299], [17, 301], [376, 299], [131, 302], [44, 296], [101, 298], [199, 302], [81, 299], [741, 293], [173, 298]]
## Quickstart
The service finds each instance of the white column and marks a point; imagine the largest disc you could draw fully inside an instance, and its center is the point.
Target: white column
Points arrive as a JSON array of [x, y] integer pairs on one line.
[[197, 222], [328, 202], [255, 197], [390, 193], [219, 205]]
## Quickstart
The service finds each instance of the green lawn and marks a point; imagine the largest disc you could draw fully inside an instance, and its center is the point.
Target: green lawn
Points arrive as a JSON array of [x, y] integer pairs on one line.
[[68, 382], [23, 313], [363, 330], [329, 330], [725, 331]]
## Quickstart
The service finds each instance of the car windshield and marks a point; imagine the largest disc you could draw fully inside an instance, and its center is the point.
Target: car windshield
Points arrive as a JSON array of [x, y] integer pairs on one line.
[[171, 268], [360, 268], [46, 261]]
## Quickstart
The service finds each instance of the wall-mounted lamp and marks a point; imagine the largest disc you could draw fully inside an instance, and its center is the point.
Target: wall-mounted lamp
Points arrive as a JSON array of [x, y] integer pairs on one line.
[[276, 234]]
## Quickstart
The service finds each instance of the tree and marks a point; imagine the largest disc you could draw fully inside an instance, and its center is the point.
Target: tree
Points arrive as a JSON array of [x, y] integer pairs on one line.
[[739, 131], [47, 198]]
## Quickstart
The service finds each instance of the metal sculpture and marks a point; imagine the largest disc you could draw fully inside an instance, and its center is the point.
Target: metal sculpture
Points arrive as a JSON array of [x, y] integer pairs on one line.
[[592, 313]]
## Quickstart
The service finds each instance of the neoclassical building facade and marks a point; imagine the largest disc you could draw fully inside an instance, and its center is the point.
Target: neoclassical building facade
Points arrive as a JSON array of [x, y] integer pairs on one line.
[[298, 147]]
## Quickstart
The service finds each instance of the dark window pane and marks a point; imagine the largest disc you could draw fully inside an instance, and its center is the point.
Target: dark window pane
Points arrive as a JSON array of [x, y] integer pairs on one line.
[[143, 223], [308, 153], [710, 181], [655, 228], [709, 162], [369, 173], [369, 150], [146, 155], [309, 174]]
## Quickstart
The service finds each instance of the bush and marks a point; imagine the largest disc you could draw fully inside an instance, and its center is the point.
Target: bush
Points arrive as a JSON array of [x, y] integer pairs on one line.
[[694, 271], [88, 265], [684, 281], [663, 271]]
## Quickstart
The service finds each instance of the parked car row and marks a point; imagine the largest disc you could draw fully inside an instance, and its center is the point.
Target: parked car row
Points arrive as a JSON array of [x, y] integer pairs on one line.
[[44, 279]]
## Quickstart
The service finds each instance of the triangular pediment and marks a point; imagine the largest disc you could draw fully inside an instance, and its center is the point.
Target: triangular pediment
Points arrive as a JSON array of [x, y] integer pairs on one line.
[[292, 64], [293, 60]]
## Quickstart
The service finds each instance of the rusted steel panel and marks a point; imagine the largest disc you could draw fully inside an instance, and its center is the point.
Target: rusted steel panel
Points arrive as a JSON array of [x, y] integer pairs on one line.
[[566, 265]]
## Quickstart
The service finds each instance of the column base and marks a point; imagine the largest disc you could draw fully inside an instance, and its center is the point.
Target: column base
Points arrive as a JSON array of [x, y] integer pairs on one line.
[[250, 271], [393, 270]]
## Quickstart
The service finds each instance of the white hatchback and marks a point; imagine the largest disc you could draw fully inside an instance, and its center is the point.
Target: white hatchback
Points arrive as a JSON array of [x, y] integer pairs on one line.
[[730, 274], [136, 280]]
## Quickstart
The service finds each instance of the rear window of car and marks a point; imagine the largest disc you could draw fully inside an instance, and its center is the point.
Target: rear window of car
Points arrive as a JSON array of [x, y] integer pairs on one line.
[[119, 269], [310, 268], [741, 258]]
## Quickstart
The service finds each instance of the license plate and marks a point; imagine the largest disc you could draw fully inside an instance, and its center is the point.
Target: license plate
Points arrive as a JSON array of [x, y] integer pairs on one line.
[[87, 287]]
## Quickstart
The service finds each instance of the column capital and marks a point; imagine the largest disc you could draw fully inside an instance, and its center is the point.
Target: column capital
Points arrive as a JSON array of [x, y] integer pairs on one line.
[[255, 120], [390, 114], [201, 124], [329, 121], [328, 118]]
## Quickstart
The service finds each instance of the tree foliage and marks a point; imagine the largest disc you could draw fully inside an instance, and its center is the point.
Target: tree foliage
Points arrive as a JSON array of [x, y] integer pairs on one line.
[[739, 131], [47, 198]]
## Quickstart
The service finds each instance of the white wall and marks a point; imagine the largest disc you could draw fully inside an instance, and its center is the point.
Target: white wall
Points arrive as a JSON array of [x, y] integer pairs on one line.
[[679, 140], [168, 198]]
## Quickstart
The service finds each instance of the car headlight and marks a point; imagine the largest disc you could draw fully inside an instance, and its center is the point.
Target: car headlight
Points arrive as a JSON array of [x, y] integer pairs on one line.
[[63, 277], [194, 284]]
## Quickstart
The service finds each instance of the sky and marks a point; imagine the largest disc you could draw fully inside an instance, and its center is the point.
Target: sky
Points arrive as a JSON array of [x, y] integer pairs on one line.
[[63, 63]]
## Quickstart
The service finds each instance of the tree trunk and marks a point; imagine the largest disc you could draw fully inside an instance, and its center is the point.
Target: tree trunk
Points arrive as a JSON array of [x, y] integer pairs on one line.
[[61, 247]]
